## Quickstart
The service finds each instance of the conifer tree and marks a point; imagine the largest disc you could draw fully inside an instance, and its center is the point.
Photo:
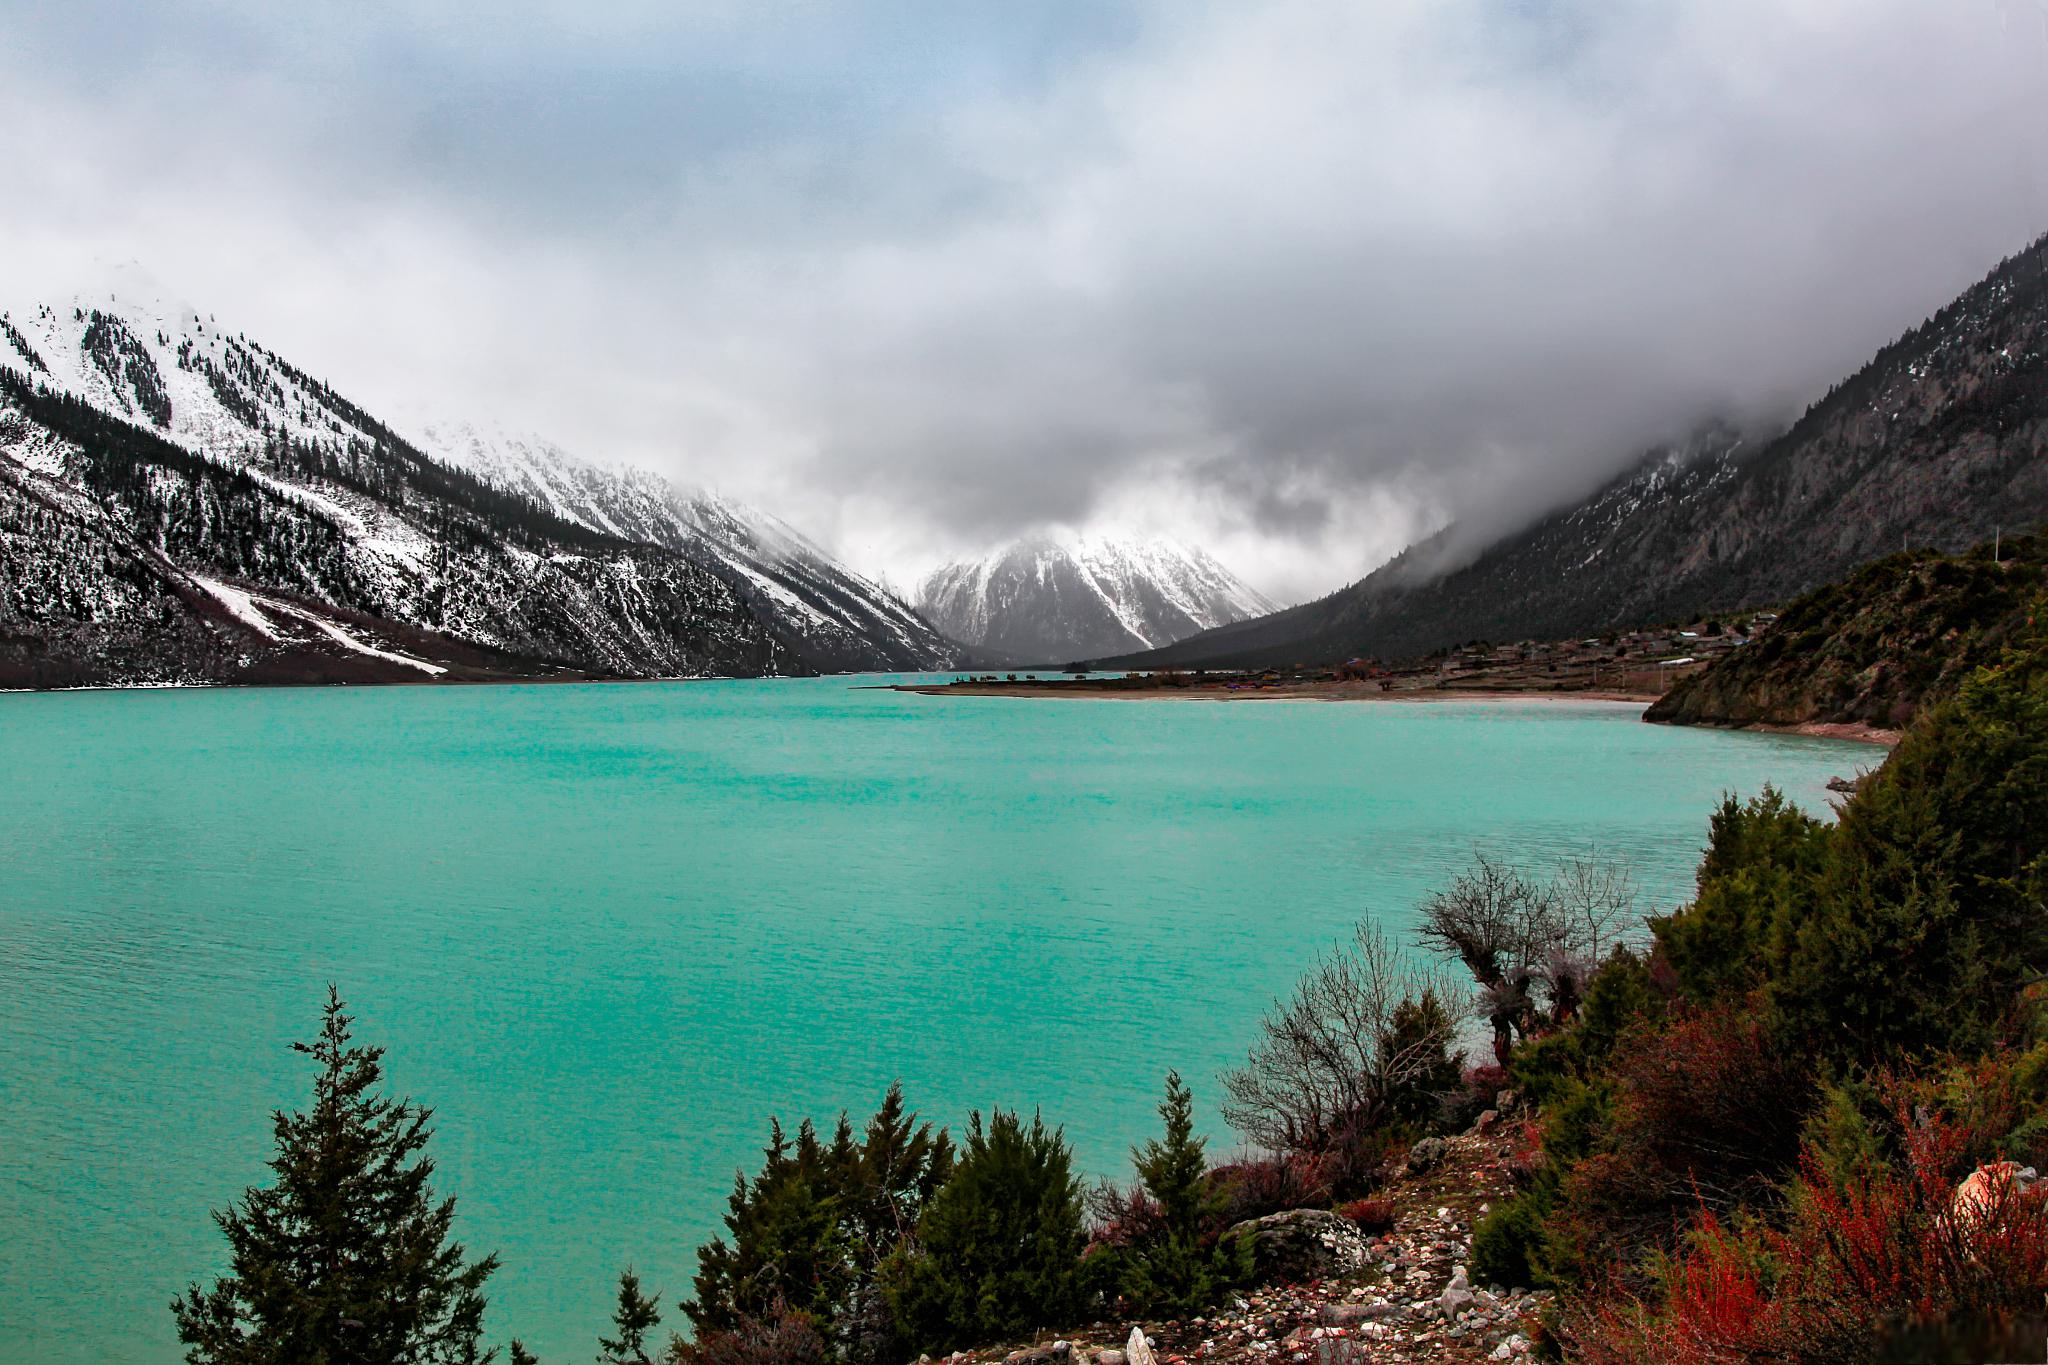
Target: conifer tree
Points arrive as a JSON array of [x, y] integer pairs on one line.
[[346, 1259], [1177, 1266], [809, 1235], [999, 1247], [635, 1317]]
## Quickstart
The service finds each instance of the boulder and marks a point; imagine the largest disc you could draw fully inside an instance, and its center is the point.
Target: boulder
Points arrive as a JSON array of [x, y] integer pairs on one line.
[[1057, 1353], [1138, 1351], [1426, 1155], [1994, 1184], [1110, 1355], [1353, 1314], [1457, 1295], [1300, 1244]]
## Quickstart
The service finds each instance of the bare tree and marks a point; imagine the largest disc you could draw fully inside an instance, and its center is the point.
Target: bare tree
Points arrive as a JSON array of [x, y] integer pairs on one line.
[[1331, 1061], [1530, 948], [1595, 899], [1594, 906], [1500, 925]]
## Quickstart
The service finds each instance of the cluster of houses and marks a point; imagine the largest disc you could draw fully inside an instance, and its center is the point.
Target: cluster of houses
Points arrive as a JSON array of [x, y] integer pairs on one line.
[[1645, 660]]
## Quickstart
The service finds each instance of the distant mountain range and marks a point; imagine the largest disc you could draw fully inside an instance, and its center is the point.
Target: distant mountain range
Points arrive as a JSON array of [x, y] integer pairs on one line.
[[1052, 599], [1939, 441], [180, 504]]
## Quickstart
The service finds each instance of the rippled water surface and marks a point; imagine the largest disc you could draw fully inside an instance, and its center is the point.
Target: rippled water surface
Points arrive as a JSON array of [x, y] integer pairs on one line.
[[607, 930]]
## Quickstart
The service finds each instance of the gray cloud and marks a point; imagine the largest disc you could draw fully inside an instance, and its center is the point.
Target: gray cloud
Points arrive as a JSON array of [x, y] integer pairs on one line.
[[1301, 281]]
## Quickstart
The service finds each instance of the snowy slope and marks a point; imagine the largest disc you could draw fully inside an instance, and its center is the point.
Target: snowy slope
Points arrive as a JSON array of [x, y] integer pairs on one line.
[[838, 618], [178, 503], [1059, 598]]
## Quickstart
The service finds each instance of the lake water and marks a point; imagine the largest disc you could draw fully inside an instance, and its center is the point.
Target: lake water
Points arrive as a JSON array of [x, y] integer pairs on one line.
[[608, 930]]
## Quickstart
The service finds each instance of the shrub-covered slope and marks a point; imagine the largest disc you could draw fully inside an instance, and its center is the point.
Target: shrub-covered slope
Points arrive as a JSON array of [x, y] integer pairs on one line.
[[1874, 649]]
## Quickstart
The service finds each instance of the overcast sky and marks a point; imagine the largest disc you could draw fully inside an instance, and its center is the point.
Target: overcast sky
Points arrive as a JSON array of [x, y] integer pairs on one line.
[[1296, 281]]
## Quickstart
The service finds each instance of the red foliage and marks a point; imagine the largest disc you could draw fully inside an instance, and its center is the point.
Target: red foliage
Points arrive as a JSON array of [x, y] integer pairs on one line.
[[1713, 1101], [1256, 1187], [1858, 1261], [1373, 1215], [1525, 1153], [784, 1339], [1491, 1079]]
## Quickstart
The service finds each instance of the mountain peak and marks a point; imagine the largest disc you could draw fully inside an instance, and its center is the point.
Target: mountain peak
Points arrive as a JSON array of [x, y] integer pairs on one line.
[[1059, 595]]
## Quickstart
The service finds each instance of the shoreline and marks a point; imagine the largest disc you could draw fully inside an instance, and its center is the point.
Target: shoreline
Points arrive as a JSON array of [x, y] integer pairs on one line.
[[1028, 691], [1852, 731]]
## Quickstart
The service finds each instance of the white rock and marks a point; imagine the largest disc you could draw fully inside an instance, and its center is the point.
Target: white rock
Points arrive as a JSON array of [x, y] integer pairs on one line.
[[1138, 1351], [1457, 1294]]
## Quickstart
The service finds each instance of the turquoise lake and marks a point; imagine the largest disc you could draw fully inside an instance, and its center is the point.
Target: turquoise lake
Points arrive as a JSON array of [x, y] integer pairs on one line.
[[606, 931]]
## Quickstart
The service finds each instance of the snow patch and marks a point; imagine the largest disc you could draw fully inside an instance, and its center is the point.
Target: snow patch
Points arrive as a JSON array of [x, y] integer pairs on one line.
[[240, 604]]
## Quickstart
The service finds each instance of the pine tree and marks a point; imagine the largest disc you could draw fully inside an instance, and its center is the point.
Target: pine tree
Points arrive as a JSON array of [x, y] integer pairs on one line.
[[346, 1259], [1175, 1172], [810, 1233], [635, 1317], [1178, 1266], [998, 1249]]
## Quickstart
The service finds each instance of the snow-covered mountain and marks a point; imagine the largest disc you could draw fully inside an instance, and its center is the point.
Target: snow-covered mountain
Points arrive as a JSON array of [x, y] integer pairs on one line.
[[840, 619], [179, 503], [1059, 598]]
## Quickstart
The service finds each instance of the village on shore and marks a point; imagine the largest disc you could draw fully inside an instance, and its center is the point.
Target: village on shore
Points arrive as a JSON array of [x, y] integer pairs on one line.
[[1631, 665]]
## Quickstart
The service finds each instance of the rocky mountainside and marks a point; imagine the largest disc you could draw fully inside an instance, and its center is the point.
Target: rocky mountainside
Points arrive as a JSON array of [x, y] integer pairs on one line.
[[180, 504], [837, 619], [1053, 599], [1940, 440], [1875, 649]]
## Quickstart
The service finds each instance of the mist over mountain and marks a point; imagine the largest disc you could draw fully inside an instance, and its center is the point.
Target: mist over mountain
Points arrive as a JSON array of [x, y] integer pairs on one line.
[[1940, 440], [1054, 598]]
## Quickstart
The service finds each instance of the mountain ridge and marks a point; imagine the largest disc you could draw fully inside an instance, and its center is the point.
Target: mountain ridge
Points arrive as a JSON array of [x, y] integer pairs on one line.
[[1940, 439], [146, 453]]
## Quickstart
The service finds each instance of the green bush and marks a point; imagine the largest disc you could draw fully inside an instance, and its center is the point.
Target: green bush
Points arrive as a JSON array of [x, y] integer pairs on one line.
[[1506, 1244], [1764, 859], [812, 1231], [1929, 915], [1168, 1259], [998, 1248]]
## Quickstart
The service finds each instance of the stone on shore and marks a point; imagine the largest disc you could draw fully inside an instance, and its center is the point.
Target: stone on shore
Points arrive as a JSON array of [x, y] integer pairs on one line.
[[1301, 1244]]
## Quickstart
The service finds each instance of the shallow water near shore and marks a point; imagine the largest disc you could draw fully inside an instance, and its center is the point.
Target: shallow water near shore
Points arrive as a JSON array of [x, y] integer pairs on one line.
[[606, 931]]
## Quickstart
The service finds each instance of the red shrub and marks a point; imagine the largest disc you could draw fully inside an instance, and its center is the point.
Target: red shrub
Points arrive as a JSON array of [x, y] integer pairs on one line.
[[1372, 1215], [1712, 1100], [1862, 1269], [785, 1339], [1255, 1187]]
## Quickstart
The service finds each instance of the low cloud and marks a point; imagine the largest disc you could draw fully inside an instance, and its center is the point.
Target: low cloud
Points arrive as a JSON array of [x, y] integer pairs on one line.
[[1298, 281]]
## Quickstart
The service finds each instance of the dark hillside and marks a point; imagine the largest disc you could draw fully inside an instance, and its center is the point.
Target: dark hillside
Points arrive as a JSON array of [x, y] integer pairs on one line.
[[1940, 440]]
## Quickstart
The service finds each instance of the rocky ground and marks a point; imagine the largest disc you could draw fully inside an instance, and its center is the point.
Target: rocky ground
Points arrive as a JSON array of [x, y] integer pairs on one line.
[[1403, 1295]]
